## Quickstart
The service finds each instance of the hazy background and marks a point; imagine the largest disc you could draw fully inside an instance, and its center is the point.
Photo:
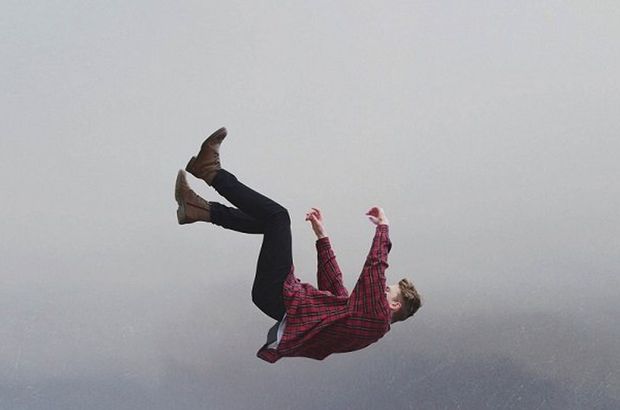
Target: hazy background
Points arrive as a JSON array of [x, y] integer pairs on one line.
[[487, 130]]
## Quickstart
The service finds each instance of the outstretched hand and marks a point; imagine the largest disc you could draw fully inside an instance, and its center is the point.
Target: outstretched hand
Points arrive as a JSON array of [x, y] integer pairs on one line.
[[315, 217], [377, 216]]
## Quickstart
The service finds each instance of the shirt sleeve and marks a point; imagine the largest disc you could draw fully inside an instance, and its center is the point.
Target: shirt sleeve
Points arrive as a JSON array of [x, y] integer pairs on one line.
[[368, 296], [329, 276]]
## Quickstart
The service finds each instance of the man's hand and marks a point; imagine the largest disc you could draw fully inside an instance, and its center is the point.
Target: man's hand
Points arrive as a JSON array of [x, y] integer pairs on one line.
[[316, 219], [377, 216]]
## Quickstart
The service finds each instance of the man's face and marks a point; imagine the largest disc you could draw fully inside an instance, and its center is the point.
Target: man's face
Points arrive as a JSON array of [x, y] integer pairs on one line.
[[392, 292]]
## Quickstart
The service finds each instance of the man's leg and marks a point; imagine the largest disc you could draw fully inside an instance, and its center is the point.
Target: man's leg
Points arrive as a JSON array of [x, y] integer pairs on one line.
[[275, 259], [234, 219], [193, 208], [244, 198], [275, 262]]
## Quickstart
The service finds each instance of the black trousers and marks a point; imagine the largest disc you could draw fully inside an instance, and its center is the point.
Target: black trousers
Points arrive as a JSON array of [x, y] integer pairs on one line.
[[257, 214]]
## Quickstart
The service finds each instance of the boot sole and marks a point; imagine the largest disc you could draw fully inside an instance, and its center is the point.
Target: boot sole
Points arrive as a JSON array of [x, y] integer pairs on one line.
[[178, 196], [181, 217]]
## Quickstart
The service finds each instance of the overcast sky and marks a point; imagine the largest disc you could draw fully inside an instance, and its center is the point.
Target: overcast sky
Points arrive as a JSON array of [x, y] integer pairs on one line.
[[489, 131]]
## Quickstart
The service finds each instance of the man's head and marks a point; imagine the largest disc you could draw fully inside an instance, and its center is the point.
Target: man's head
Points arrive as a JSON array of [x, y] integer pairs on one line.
[[403, 299]]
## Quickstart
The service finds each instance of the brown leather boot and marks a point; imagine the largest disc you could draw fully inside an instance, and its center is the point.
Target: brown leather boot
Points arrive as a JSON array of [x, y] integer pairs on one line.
[[206, 164], [192, 208]]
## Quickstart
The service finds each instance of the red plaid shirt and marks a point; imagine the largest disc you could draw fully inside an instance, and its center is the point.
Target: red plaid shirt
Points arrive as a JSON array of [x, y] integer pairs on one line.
[[327, 320]]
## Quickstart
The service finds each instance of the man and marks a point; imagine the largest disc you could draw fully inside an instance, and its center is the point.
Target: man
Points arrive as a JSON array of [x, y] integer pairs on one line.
[[311, 322]]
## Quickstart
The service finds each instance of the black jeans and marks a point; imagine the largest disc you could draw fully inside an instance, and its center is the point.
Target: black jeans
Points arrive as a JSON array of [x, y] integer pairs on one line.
[[257, 214]]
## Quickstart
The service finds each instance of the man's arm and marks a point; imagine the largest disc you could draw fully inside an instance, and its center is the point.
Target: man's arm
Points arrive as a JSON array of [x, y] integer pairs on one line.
[[368, 295], [329, 275]]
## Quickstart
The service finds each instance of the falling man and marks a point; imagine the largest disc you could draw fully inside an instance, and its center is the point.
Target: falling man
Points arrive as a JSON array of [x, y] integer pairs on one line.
[[311, 322]]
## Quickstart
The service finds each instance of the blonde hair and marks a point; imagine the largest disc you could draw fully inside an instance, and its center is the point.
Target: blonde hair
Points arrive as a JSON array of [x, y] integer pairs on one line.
[[411, 301]]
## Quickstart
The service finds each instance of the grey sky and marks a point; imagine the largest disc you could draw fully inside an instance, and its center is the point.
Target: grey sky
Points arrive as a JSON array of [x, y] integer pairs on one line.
[[487, 130]]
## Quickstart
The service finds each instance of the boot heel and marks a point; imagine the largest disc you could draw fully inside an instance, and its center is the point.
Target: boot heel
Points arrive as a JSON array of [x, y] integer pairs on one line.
[[190, 165]]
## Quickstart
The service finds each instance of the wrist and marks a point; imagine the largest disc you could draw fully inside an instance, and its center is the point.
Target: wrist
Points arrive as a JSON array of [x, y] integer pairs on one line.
[[322, 242]]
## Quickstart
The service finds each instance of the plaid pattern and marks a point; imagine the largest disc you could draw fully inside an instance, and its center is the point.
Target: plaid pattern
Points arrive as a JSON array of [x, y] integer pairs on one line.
[[328, 320]]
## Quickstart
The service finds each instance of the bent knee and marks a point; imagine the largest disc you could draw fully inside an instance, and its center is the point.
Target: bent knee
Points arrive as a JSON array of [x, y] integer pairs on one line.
[[260, 297], [281, 216], [256, 297]]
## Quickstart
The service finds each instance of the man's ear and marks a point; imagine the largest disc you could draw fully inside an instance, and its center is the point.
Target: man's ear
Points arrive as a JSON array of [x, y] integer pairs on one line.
[[395, 306]]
